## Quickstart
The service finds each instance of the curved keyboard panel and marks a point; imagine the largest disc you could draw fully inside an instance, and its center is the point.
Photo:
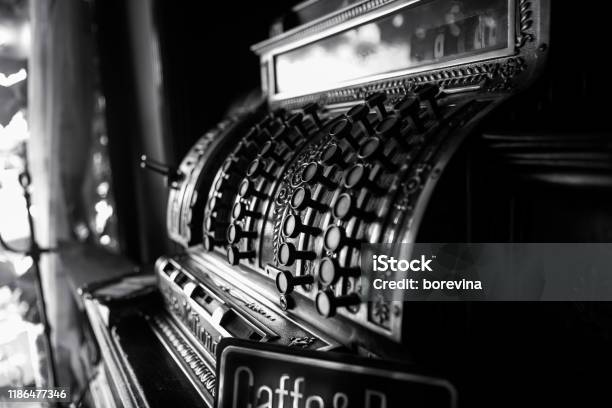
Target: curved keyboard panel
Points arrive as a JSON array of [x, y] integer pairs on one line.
[[301, 191]]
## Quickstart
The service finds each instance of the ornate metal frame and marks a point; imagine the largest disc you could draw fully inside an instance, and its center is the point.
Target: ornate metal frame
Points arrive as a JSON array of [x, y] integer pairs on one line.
[[493, 71]]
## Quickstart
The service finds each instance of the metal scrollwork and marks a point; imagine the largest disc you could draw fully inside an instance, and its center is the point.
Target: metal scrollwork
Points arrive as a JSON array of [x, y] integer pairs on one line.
[[380, 312], [525, 23], [301, 342]]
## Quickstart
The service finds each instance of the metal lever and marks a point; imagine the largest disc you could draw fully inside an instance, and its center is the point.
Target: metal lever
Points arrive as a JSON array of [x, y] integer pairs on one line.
[[174, 176]]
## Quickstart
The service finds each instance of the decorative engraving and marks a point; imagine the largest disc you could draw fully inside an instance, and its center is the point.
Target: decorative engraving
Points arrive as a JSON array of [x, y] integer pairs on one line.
[[280, 205], [507, 72], [477, 74], [301, 342], [248, 303], [525, 23], [259, 309], [380, 312]]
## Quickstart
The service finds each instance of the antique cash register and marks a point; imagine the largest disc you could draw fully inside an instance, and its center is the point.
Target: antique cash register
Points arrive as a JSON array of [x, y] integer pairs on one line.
[[362, 108], [372, 125]]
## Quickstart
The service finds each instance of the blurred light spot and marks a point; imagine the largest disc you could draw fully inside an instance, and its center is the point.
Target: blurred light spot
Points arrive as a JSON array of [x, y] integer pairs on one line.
[[101, 102], [13, 79], [105, 240], [102, 189], [398, 21], [369, 33], [6, 36], [13, 215], [97, 159], [15, 132], [81, 231], [103, 212], [23, 265]]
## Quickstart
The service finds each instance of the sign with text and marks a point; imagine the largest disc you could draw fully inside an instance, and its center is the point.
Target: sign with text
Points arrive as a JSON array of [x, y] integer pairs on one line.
[[256, 375]]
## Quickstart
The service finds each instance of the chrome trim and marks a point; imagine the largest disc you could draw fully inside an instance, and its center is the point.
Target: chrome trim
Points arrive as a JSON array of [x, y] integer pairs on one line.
[[172, 346], [263, 46], [470, 88], [130, 394], [303, 4], [220, 270], [214, 319]]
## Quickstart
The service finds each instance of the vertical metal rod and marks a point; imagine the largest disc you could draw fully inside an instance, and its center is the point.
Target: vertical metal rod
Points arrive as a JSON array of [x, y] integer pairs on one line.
[[35, 252]]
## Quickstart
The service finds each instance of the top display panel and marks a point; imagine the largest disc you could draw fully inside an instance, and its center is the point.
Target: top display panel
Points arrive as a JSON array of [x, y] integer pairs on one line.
[[421, 36]]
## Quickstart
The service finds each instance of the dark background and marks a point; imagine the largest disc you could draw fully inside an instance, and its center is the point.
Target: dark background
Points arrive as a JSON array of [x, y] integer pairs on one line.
[[206, 64]]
